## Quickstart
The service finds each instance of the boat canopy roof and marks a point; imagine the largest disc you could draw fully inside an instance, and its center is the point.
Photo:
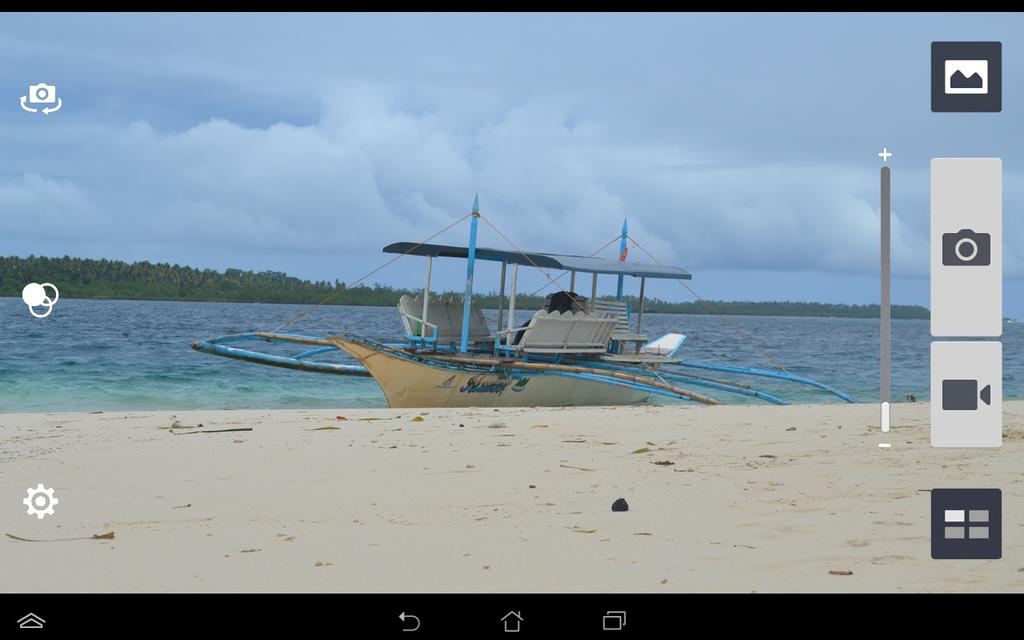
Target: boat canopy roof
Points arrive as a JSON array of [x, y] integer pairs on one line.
[[581, 264]]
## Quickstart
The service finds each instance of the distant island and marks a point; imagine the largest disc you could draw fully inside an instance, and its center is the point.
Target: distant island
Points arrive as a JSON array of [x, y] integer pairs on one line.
[[114, 279]]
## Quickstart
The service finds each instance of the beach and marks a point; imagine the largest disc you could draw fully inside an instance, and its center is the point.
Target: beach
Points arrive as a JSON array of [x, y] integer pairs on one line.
[[722, 499]]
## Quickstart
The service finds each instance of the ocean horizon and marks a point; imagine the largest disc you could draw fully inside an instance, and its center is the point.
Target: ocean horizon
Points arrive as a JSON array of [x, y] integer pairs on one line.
[[125, 355]]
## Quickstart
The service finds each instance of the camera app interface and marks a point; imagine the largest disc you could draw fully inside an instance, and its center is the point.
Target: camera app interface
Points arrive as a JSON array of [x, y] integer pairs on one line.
[[510, 303]]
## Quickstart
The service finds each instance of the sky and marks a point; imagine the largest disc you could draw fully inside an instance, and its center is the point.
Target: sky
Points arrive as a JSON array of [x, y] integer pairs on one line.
[[741, 147]]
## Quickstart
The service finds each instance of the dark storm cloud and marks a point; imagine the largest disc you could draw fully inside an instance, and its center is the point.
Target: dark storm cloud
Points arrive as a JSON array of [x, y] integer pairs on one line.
[[305, 143]]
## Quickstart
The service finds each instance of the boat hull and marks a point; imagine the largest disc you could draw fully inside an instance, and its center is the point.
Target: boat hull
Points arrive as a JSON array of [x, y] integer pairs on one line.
[[413, 383]]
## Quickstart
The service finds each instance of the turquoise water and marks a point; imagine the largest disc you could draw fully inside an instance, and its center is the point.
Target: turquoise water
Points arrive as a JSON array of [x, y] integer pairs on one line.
[[103, 355]]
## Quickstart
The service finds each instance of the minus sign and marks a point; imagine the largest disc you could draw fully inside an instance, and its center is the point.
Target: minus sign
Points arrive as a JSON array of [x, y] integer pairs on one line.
[[884, 445]]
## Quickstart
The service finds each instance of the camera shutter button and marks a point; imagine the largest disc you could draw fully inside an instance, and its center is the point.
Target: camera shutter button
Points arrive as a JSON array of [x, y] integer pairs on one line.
[[973, 249]]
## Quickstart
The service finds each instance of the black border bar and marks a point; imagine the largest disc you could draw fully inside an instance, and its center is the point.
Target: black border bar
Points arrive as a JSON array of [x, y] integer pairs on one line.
[[480, 615]]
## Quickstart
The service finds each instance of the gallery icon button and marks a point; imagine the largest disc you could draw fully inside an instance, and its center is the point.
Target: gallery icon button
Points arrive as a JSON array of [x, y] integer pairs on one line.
[[967, 76], [967, 524]]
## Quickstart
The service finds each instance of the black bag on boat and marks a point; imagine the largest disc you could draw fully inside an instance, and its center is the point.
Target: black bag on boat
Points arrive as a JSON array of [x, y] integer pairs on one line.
[[565, 301]]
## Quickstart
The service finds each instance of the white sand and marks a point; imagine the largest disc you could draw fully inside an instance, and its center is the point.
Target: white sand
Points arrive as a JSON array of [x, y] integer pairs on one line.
[[395, 505]]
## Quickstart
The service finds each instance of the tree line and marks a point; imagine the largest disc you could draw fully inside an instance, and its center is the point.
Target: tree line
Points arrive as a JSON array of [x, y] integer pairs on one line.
[[115, 279]]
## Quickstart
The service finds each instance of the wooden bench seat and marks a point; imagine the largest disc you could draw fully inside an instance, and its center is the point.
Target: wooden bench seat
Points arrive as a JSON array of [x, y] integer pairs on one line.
[[444, 320], [570, 332]]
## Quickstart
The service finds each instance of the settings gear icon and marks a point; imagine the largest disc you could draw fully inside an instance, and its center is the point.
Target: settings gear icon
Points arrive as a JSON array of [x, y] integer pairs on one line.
[[40, 501]]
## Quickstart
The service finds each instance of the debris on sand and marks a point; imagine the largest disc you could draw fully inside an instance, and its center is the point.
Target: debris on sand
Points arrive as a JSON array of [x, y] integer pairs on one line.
[[188, 433], [569, 466], [96, 536], [620, 505]]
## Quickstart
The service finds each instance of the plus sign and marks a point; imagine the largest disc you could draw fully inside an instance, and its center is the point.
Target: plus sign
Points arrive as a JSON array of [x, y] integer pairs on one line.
[[885, 155]]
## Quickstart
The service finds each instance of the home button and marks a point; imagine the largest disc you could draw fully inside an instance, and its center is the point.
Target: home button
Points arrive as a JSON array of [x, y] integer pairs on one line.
[[512, 621]]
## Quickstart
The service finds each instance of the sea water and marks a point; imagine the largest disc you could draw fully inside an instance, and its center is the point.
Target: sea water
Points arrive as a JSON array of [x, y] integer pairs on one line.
[[105, 355]]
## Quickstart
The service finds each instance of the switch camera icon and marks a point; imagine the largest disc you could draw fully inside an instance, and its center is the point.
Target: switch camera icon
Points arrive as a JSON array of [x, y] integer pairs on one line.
[[42, 94]]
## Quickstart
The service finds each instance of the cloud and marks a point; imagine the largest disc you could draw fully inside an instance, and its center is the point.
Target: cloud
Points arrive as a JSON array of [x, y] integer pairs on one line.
[[35, 206], [307, 153], [371, 171]]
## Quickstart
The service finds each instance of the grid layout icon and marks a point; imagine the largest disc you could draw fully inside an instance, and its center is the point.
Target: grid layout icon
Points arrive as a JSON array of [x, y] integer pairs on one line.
[[966, 524], [961, 524]]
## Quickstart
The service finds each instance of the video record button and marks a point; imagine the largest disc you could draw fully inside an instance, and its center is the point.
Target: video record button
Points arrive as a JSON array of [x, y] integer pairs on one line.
[[966, 404]]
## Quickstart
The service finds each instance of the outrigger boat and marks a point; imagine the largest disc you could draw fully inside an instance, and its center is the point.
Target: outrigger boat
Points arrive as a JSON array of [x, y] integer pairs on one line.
[[576, 351]]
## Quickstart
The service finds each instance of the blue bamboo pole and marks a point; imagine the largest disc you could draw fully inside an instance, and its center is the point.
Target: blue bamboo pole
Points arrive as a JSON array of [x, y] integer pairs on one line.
[[770, 374], [622, 254], [467, 299], [688, 379], [219, 347]]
